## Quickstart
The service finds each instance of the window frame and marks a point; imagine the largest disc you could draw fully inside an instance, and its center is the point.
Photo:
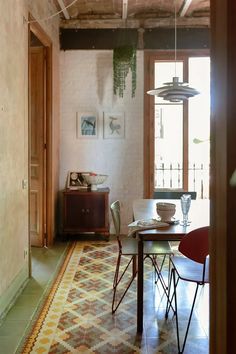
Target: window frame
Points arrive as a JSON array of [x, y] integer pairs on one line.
[[150, 57]]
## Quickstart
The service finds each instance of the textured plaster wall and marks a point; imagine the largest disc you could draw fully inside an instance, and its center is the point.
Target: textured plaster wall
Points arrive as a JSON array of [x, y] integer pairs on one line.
[[14, 132], [13, 140], [86, 85]]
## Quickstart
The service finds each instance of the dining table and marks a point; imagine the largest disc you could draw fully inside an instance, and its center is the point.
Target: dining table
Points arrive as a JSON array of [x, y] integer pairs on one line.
[[145, 209]]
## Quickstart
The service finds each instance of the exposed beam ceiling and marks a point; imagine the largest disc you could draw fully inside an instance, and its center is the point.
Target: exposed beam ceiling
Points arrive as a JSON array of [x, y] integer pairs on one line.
[[108, 14]]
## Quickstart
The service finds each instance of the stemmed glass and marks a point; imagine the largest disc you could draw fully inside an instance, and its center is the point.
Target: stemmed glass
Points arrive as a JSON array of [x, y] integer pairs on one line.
[[185, 201]]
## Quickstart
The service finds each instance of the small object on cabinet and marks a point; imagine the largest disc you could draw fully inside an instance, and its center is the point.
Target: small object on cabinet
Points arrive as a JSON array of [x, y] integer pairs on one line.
[[75, 180], [93, 180]]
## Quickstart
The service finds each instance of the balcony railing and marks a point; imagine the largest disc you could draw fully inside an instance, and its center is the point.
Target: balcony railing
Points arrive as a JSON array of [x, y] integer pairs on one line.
[[171, 176]]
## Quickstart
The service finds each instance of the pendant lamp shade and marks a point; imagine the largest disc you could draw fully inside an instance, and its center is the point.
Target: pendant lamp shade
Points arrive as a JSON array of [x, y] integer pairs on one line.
[[174, 91]]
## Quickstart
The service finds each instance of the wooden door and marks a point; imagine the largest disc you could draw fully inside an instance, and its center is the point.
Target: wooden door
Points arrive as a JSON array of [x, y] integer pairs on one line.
[[223, 194], [37, 146]]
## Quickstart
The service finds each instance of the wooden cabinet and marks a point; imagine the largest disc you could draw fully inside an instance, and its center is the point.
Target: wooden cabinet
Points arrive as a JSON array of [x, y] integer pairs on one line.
[[86, 211]]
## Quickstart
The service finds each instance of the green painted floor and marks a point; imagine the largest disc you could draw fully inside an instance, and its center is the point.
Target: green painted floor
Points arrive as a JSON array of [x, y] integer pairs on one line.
[[45, 263]]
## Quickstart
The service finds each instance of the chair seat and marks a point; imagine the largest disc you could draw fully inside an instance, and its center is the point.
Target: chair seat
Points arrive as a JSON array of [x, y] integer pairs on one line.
[[130, 247], [189, 270]]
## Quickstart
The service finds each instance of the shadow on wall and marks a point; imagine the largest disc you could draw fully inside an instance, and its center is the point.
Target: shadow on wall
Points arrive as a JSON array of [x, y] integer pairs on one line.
[[104, 74]]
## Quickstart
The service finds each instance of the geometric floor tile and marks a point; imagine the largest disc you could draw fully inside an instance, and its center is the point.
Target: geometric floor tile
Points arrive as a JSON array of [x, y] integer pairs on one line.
[[76, 317]]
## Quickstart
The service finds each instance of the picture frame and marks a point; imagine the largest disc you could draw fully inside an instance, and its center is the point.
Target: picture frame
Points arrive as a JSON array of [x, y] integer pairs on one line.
[[86, 125], [113, 125], [75, 180]]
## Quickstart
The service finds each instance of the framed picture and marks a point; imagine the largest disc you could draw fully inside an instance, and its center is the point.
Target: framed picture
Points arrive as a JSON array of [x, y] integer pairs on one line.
[[113, 125], [86, 125], [75, 180]]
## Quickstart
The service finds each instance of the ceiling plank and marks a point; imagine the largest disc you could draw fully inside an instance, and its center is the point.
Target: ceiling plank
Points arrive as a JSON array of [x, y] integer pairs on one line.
[[196, 22], [63, 8], [184, 8]]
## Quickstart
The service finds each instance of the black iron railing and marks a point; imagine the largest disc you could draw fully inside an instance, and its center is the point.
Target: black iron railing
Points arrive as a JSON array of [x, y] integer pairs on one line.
[[171, 176]]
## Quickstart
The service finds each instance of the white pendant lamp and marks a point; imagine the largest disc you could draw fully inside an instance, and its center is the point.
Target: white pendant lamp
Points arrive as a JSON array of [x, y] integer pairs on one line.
[[174, 91]]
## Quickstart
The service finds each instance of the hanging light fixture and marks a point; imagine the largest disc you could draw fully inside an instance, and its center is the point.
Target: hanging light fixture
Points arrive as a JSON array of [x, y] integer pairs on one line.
[[174, 91]]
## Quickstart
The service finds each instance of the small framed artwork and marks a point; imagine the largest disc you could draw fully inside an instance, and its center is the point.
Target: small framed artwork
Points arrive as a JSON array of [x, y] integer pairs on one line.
[[86, 125], [113, 125], [75, 180]]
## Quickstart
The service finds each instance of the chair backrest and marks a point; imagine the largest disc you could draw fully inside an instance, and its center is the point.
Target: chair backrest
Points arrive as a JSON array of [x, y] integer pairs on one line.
[[115, 213], [172, 194], [195, 245]]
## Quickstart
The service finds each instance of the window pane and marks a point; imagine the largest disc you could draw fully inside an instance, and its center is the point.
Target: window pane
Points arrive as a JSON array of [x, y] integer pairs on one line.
[[199, 126], [168, 130], [168, 146]]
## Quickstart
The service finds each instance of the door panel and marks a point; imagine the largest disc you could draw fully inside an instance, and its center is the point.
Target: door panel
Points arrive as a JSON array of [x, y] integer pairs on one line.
[[37, 163]]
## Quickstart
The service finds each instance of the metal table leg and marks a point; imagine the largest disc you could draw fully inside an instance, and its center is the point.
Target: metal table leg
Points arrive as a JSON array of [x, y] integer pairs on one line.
[[140, 286]]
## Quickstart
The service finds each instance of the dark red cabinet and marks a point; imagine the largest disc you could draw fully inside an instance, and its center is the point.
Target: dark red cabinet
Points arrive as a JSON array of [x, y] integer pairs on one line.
[[86, 211]]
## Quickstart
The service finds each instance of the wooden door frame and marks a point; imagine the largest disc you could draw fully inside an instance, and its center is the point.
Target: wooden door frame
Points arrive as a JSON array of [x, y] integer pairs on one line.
[[149, 60], [37, 30], [223, 195]]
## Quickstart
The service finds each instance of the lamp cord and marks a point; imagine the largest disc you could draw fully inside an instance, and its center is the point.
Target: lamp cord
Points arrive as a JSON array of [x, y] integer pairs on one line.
[[175, 37], [55, 14]]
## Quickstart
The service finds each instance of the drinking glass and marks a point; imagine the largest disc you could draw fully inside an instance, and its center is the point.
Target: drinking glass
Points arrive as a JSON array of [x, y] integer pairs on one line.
[[185, 201]]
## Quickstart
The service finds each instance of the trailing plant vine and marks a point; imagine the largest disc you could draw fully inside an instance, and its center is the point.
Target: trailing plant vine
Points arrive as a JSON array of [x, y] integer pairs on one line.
[[124, 59]]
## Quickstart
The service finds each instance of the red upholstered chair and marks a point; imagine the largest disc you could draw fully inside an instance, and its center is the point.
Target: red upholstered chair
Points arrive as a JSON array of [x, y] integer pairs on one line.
[[194, 267], [128, 247]]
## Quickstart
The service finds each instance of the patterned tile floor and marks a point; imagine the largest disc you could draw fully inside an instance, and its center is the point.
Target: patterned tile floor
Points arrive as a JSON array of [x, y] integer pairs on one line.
[[80, 319]]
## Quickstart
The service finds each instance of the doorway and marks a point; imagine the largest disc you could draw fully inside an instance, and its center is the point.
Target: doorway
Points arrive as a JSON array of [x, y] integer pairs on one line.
[[39, 136]]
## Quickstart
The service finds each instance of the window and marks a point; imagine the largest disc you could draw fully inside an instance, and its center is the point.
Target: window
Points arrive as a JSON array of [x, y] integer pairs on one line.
[[199, 127], [178, 155]]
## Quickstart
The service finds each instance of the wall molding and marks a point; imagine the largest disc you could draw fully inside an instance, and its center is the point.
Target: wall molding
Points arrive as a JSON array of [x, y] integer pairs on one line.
[[9, 297]]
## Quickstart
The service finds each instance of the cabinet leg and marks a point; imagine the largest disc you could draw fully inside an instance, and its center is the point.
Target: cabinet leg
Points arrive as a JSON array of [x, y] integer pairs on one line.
[[64, 237], [107, 236]]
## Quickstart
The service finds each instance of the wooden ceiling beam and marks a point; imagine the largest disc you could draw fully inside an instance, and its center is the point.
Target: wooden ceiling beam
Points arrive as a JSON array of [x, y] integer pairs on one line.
[[124, 9], [184, 8], [186, 22], [155, 38], [63, 8]]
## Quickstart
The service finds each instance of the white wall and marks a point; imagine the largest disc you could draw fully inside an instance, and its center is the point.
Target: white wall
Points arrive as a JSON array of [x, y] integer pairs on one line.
[[87, 85]]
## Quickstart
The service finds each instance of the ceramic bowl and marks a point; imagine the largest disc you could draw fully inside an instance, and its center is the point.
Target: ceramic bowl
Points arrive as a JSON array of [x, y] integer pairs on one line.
[[165, 210], [165, 206], [94, 180]]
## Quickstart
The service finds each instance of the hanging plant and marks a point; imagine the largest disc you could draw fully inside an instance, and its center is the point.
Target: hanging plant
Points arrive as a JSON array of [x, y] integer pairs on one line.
[[124, 59]]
